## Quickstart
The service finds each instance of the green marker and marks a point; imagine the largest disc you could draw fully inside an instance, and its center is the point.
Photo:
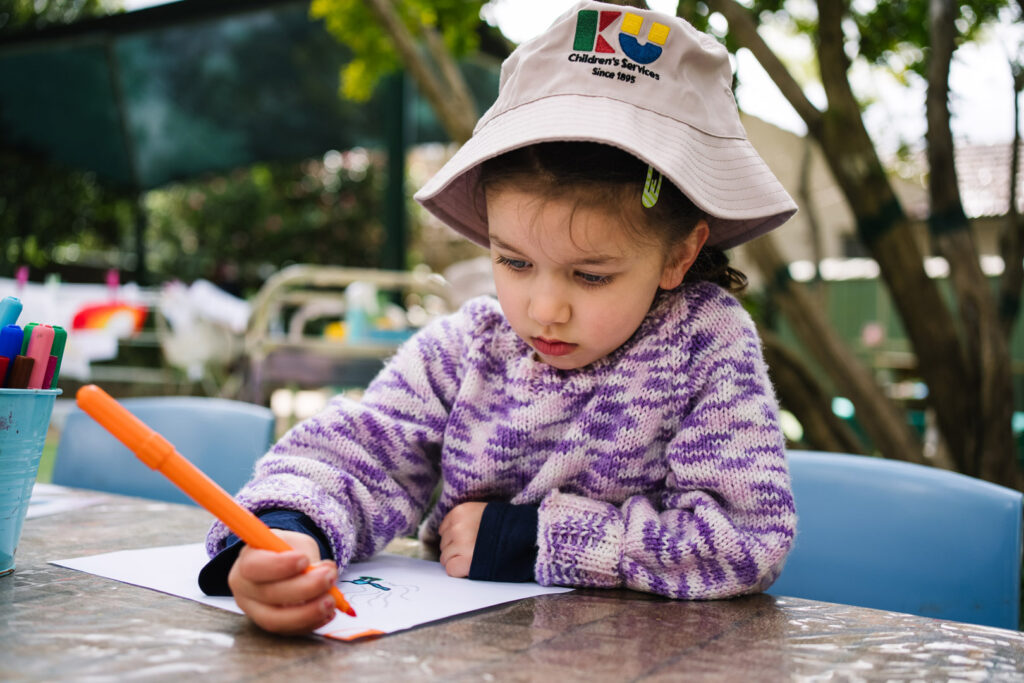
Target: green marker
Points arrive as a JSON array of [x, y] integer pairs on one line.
[[60, 338], [26, 337]]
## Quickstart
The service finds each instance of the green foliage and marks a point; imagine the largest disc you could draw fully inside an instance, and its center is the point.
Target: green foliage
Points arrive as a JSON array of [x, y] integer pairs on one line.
[[889, 33], [894, 33], [353, 23], [901, 26], [23, 15], [699, 14], [45, 208], [234, 229], [237, 229]]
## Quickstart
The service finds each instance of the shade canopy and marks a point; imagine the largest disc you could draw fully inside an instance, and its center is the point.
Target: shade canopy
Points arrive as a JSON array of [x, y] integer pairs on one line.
[[175, 91]]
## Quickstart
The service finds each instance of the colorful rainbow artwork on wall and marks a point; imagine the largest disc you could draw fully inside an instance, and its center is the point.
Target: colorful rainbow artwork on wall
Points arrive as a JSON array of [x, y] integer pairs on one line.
[[120, 318]]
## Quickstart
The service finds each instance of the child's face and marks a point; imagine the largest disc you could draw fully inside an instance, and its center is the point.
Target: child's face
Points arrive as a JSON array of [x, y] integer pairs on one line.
[[575, 295]]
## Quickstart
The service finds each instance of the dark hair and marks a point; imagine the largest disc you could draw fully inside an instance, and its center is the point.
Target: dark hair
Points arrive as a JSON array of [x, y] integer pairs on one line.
[[593, 173]]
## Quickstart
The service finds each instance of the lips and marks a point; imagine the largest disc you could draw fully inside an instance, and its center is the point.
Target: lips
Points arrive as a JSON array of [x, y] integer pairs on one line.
[[552, 348]]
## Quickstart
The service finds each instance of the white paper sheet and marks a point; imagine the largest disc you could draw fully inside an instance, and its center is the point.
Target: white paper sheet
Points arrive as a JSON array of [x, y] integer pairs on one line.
[[389, 592], [48, 499]]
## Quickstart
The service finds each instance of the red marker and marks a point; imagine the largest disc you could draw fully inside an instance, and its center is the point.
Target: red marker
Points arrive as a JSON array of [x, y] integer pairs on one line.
[[51, 367]]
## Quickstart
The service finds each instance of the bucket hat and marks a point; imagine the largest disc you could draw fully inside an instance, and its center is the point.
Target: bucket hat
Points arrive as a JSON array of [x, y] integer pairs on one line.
[[646, 82]]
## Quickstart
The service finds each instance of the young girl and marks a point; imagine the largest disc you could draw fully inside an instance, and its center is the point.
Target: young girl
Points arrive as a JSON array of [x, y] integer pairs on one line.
[[608, 421]]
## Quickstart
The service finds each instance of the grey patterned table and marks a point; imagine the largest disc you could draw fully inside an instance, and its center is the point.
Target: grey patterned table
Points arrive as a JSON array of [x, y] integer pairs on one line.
[[57, 624]]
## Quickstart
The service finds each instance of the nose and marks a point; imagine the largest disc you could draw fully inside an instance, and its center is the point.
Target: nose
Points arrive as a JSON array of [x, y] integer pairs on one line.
[[548, 304]]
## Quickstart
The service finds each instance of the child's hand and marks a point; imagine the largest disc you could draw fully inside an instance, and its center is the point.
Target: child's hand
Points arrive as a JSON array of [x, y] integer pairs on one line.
[[458, 537], [273, 590]]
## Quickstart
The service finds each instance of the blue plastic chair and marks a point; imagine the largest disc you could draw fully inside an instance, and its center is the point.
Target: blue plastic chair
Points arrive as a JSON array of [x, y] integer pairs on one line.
[[908, 538], [221, 437]]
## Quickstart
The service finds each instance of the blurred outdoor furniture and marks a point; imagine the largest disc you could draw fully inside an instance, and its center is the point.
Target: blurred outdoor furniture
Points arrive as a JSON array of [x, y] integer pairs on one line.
[[282, 350], [223, 438], [897, 536], [471, 278], [200, 328]]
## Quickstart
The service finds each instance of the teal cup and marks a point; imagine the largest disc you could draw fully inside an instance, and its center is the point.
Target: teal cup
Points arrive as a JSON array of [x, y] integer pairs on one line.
[[24, 419]]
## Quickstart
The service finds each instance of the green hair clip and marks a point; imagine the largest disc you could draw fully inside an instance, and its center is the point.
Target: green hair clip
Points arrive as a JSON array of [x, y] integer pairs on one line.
[[652, 188]]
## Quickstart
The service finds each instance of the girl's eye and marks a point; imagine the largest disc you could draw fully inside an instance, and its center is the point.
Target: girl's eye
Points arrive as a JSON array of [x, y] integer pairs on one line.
[[592, 280], [514, 264]]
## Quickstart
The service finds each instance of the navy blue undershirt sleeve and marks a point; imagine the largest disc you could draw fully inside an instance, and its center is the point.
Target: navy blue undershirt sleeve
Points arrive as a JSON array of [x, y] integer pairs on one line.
[[506, 543], [213, 577]]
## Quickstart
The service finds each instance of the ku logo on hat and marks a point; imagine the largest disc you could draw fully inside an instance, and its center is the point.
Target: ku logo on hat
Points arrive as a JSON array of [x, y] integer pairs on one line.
[[590, 24]]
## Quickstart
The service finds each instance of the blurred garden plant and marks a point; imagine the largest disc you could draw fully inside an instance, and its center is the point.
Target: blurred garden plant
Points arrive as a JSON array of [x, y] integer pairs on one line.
[[237, 229]]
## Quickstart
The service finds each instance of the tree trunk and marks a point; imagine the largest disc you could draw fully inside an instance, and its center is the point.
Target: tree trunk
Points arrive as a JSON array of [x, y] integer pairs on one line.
[[881, 224], [985, 427], [885, 231], [1011, 242], [801, 394], [809, 210], [882, 420]]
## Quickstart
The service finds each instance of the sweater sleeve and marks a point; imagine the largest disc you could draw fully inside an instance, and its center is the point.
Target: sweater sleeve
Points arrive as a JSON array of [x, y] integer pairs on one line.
[[724, 520], [506, 543], [213, 577], [364, 471]]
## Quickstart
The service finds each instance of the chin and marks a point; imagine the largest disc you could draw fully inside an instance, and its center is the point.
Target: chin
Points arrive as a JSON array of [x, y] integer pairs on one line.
[[563, 362]]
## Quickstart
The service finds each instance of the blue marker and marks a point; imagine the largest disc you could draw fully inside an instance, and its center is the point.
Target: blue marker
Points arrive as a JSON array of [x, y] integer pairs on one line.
[[10, 309], [10, 346]]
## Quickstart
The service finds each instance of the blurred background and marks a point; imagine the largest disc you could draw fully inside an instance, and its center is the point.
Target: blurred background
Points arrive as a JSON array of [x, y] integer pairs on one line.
[[214, 198]]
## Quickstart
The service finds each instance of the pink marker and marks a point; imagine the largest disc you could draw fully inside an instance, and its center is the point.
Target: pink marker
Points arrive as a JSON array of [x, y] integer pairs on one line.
[[39, 345]]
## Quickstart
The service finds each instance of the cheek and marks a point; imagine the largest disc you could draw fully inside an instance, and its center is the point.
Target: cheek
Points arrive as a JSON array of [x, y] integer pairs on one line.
[[619, 316], [616, 319], [510, 295], [504, 286]]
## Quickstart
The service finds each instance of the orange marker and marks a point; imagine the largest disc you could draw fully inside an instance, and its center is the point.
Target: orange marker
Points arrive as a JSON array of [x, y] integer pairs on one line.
[[158, 453]]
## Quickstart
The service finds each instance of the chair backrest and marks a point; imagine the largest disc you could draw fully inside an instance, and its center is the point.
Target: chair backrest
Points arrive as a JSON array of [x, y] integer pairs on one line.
[[909, 538], [221, 437]]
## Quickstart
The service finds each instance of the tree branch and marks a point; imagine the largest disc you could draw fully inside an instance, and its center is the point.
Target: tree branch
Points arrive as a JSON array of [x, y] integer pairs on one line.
[[457, 122], [800, 392], [985, 428], [881, 418], [462, 101], [809, 208], [743, 28]]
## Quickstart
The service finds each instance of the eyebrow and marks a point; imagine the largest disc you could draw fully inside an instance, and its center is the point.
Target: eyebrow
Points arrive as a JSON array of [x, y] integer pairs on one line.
[[598, 260]]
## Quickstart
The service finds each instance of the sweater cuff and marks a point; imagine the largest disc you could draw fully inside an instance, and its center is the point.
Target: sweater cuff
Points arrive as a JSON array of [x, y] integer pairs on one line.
[[506, 543], [580, 542], [213, 577]]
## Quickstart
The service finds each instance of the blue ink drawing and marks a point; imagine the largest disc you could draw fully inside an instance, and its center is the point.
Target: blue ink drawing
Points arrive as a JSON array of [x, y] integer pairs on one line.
[[373, 590], [367, 581]]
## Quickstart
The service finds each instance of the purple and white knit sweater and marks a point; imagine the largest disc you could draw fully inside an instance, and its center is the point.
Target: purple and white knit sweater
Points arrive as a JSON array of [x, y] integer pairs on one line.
[[659, 467]]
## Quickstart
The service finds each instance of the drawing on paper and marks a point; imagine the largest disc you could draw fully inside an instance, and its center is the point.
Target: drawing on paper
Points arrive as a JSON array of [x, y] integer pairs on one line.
[[389, 592], [375, 591], [367, 581]]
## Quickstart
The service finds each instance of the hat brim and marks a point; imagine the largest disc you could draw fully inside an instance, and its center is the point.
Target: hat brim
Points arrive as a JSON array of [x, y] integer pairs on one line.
[[724, 176]]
